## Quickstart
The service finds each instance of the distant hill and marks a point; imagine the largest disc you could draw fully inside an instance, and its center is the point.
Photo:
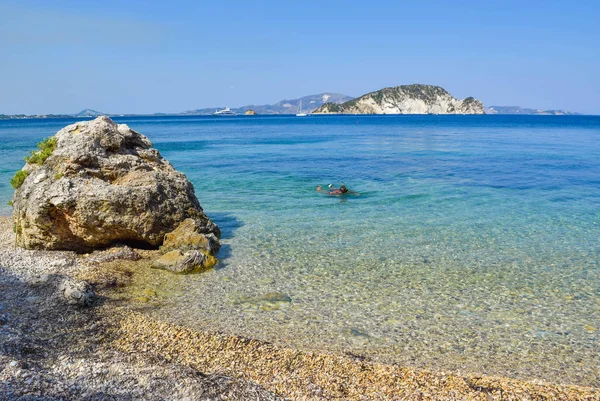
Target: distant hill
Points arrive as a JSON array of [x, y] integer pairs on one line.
[[89, 113], [309, 103], [26, 116], [405, 99], [521, 110]]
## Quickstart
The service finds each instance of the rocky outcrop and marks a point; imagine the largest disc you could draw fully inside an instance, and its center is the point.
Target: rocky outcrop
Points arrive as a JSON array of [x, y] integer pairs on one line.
[[405, 99], [99, 184]]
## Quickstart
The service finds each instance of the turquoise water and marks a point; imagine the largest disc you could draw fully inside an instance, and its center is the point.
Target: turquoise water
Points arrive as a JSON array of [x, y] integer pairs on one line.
[[472, 247]]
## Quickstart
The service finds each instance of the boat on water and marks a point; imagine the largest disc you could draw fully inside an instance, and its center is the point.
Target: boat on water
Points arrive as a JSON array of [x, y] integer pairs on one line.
[[225, 112], [300, 113]]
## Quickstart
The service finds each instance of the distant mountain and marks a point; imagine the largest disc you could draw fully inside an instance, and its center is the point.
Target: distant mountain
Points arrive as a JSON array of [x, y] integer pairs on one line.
[[309, 103], [521, 110], [405, 99], [89, 113]]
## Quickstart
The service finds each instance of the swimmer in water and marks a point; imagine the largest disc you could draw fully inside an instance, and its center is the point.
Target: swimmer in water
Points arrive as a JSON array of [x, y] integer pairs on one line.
[[341, 191]]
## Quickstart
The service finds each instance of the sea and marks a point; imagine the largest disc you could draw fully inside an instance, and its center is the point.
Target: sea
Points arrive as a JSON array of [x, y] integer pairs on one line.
[[471, 243]]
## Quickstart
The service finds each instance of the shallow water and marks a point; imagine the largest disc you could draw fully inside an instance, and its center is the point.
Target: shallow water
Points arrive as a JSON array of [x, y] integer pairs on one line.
[[472, 247]]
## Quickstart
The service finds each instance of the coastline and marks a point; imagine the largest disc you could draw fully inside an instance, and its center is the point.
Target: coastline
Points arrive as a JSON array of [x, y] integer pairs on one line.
[[64, 351]]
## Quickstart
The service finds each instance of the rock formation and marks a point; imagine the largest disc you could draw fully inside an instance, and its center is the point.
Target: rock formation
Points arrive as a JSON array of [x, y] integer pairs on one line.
[[178, 261], [187, 249], [97, 183], [405, 99]]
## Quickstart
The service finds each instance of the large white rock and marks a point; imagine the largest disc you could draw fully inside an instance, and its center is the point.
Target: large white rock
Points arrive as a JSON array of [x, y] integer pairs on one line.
[[103, 184]]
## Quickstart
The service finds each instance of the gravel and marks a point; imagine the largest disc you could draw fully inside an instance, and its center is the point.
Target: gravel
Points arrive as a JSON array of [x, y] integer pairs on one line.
[[53, 350]]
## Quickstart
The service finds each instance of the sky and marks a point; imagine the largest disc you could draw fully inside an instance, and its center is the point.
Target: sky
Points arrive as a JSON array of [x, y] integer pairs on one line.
[[157, 56]]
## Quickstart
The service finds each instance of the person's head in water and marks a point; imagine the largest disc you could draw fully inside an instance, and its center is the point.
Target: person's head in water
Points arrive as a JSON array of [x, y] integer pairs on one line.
[[343, 189], [319, 188]]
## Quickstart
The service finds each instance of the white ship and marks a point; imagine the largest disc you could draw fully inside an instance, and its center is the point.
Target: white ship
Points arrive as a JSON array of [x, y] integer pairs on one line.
[[300, 113], [225, 112]]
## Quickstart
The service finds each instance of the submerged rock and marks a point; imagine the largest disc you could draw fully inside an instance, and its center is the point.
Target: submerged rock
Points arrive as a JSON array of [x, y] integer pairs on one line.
[[184, 262], [266, 302], [102, 183]]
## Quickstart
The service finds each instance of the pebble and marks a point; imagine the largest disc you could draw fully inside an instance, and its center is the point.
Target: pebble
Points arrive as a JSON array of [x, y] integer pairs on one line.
[[61, 263], [41, 279]]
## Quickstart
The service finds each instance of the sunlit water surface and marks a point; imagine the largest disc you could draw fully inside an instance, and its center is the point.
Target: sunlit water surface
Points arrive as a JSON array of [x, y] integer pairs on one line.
[[473, 246]]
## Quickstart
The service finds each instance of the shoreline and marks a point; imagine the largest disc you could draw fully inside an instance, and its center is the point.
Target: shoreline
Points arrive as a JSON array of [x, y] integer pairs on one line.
[[48, 345]]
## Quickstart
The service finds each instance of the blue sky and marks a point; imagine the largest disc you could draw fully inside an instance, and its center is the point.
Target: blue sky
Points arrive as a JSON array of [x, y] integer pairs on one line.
[[150, 56]]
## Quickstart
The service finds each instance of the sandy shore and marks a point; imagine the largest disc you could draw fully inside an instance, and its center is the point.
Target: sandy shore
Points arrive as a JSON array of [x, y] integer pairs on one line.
[[50, 350]]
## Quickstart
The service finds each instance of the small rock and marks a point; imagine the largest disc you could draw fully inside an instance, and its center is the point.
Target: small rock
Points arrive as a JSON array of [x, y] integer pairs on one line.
[[115, 253], [358, 333], [41, 279], [77, 292], [62, 263], [188, 262], [358, 337], [39, 178], [32, 299], [13, 364], [190, 235], [266, 302], [274, 297]]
